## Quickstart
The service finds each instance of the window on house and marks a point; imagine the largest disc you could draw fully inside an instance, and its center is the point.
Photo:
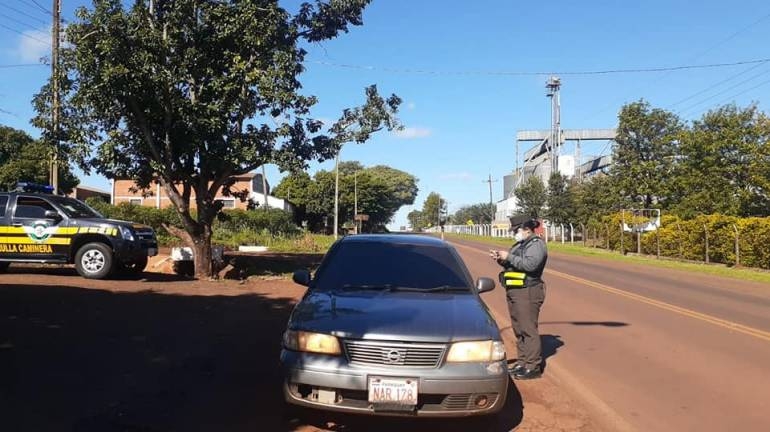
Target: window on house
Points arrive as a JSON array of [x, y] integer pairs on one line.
[[135, 201], [227, 203]]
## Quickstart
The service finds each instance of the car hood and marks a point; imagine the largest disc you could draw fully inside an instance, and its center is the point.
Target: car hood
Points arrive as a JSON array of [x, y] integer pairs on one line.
[[402, 316]]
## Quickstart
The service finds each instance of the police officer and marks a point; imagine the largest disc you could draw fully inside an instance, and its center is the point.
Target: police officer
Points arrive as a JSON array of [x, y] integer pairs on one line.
[[525, 292]]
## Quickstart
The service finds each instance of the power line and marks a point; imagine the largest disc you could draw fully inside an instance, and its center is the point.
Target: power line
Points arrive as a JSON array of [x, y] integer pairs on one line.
[[17, 21], [13, 66], [39, 6], [763, 83], [717, 84], [21, 12], [697, 56], [701, 102], [539, 73], [24, 34]]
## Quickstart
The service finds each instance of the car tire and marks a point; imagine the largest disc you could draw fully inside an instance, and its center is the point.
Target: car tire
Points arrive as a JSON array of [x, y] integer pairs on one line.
[[135, 267], [94, 261]]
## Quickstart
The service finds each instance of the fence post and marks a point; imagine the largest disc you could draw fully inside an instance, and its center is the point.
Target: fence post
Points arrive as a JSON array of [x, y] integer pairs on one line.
[[583, 233], [737, 246], [562, 233], [639, 242], [621, 239], [706, 235], [571, 234]]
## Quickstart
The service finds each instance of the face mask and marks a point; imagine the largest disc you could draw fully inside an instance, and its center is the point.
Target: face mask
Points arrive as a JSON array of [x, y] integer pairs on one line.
[[519, 236]]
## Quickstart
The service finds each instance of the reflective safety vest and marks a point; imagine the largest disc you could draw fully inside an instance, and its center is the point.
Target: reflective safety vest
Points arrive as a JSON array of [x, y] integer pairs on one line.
[[512, 279]]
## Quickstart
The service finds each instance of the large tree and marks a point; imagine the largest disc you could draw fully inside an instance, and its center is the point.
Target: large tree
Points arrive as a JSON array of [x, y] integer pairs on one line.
[[482, 213], [724, 164], [380, 191], [192, 92], [23, 158], [531, 197], [644, 154], [560, 201]]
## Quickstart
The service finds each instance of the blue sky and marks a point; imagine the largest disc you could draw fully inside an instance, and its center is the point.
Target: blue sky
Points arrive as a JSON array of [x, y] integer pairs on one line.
[[461, 117]]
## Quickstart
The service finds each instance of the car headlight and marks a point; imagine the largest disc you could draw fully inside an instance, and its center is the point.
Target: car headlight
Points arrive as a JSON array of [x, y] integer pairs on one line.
[[126, 233], [311, 342], [477, 351]]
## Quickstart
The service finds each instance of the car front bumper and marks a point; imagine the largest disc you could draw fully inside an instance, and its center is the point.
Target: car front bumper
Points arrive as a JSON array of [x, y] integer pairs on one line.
[[451, 390]]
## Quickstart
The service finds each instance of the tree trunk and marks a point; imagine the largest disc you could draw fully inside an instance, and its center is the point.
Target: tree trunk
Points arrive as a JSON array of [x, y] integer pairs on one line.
[[201, 245]]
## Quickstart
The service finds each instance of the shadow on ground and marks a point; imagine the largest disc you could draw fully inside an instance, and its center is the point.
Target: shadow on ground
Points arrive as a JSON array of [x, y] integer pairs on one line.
[[273, 264], [87, 360]]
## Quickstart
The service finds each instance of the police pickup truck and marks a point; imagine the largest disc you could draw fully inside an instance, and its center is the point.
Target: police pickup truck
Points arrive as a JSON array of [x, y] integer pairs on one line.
[[38, 227]]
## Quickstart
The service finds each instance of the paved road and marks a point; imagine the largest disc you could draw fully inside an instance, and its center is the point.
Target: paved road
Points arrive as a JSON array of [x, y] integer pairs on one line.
[[652, 349]]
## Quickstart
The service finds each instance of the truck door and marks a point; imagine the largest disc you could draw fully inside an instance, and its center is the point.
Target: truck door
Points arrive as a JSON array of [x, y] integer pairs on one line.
[[35, 231], [4, 226]]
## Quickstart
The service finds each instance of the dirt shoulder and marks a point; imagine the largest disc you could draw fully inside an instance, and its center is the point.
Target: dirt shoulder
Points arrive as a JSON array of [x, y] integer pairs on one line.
[[163, 353]]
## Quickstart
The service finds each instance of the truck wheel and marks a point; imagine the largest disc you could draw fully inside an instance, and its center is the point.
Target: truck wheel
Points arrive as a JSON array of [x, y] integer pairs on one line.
[[94, 261], [134, 267]]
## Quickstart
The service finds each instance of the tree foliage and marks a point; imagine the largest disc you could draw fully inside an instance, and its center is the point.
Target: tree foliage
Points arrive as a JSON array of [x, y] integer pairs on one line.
[[560, 200], [193, 92], [23, 158], [644, 154], [482, 213], [381, 191], [532, 197]]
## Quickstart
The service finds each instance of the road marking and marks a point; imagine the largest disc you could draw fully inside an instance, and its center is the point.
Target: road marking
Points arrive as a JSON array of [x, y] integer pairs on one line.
[[652, 302]]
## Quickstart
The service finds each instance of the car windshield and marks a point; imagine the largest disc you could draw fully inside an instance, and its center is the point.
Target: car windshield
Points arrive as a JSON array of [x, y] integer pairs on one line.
[[389, 266], [77, 209]]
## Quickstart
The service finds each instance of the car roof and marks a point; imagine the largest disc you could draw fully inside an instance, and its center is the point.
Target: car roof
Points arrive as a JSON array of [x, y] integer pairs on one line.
[[402, 239]]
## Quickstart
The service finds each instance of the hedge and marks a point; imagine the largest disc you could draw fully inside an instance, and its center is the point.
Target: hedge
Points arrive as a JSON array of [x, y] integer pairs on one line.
[[686, 239], [232, 228]]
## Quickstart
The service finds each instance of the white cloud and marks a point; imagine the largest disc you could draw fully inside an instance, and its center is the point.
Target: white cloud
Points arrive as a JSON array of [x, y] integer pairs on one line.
[[457, 176], [413, 132], [34, 45]]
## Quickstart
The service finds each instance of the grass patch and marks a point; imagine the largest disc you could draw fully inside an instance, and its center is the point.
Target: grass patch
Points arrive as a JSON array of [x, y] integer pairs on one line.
[[742, 273], [307, 243]]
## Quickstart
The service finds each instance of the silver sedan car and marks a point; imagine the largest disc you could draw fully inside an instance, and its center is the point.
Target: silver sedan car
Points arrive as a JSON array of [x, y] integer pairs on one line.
[[394, 325]]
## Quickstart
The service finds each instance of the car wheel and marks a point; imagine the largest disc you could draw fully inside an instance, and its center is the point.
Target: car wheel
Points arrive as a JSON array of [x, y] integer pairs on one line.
[[94, 261], [134, 267]]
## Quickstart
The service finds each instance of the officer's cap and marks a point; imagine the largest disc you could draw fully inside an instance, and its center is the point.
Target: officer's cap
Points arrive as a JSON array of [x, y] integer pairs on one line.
[[523, 221]]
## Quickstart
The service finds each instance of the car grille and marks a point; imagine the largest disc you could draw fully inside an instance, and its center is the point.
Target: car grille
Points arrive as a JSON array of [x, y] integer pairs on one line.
[[457, 402], [394, 353]]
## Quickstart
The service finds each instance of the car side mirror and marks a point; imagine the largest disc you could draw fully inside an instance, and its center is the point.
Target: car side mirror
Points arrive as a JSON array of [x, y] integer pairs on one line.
[[484, 284], [301, 277], [51, 214]]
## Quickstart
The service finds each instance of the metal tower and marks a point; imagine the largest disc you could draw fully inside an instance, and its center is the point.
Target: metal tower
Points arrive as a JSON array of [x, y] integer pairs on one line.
[[554, 85]]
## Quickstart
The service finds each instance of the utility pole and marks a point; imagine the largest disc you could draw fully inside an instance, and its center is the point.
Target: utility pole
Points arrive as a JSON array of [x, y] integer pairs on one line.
[[264, 185], [54, 173], [491, 203], [554, 85], [336, 192]]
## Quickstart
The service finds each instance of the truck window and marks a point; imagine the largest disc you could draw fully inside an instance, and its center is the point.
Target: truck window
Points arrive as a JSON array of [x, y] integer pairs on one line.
[[29, 207], [3, 204]]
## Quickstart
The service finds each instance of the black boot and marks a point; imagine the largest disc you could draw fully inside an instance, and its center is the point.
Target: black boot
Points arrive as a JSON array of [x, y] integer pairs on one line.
[[526, 374]]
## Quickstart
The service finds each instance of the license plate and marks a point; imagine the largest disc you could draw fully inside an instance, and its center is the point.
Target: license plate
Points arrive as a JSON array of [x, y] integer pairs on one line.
[[152, 252], [398, 391]]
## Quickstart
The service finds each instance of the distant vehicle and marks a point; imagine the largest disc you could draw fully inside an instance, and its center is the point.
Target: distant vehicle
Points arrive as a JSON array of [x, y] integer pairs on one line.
[[393, 325], [38, 227]]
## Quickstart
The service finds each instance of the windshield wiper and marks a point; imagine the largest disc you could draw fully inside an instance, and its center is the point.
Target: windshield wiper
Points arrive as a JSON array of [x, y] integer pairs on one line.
[[446, 288], [372, 287]]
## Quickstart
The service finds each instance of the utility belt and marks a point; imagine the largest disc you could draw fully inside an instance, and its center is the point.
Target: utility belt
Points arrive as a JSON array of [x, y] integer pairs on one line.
[[511, 279]]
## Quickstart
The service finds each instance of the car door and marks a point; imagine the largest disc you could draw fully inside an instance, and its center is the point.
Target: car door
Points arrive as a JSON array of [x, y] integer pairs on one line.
[[34, 230], [5, 250]]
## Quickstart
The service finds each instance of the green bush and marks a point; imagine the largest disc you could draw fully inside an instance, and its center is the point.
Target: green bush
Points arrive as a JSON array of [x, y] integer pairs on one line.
[[232, 228], [686, 239]]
